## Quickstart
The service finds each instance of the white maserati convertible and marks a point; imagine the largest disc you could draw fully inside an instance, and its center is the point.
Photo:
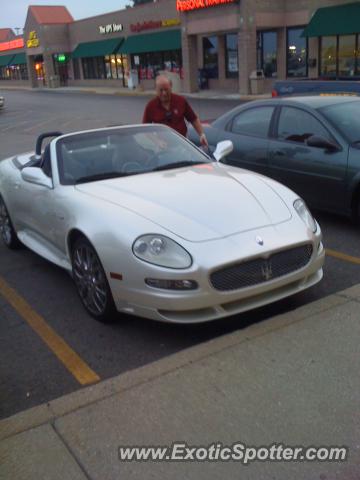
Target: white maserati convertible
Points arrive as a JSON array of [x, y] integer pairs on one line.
[[149, 225]]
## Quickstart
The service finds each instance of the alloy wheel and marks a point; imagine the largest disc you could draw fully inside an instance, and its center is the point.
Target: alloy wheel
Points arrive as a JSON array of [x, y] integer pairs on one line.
[[7, 231], [90, 279]]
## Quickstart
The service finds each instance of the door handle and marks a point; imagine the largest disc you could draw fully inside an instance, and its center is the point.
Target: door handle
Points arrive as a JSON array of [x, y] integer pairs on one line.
[[279, 153]]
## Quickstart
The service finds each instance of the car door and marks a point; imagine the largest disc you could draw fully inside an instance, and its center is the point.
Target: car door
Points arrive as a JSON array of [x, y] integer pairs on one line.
[[37, 208], [249, 132], [316, 174]]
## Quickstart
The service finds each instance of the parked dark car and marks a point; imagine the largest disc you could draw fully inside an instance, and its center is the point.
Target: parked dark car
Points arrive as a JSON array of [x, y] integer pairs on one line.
[[311, 144]]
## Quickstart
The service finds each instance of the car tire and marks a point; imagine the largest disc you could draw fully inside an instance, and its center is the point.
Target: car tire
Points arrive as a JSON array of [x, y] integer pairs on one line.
[[91, 282], [7, 231]]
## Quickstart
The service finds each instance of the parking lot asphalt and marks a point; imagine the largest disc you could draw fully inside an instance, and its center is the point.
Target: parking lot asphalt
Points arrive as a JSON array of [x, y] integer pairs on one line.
[[43, 320]]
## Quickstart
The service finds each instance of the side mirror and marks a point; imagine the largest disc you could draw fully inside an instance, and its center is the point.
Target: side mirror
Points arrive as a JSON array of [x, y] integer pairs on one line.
[[222, 149], [321, 142], [37, 176]]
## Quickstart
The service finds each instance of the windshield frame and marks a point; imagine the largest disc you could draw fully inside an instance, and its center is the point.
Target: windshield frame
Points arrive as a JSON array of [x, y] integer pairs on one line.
[[131, 130]]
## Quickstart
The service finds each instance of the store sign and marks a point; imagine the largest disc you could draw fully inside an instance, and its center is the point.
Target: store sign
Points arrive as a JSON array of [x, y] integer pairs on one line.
[[18, 43], [33, 40], [186, 5], [169, 22], [60, 57], [110, 28]]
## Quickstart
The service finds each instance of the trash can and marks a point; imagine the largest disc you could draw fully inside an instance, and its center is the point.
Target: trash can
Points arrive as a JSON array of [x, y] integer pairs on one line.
[[133, 80], [257, 82], [54, 81]]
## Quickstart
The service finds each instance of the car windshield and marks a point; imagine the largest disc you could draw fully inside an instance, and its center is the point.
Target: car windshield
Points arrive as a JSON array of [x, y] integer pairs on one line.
[[346, 118], [120, 152]]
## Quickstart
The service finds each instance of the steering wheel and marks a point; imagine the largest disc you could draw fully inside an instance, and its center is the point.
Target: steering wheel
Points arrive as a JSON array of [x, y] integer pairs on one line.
[[152, 161], [132, 167]]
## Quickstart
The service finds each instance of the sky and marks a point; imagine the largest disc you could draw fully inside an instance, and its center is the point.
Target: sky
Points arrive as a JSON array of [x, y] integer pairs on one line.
[[14, 15]]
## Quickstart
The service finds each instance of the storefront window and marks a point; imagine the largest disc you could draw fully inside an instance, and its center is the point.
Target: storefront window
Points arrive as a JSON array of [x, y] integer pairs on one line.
[[232, 64], [114, 72], [339, 57], [267, 53], [24, 75], [121, 66], [14, 72], [210, 53], [172, 61], [150, 64], [115, 66], [328, 56], [76, 68], [108, 67], [94, 68], [346, 53], [296, 53]]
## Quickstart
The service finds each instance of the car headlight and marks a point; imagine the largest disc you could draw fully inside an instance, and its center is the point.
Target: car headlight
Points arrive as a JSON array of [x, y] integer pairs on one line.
[[161, 251], [305, 215]]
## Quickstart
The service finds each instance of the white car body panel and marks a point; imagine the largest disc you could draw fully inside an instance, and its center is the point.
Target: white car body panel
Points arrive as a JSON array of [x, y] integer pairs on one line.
[[214, 211], [193, 214]]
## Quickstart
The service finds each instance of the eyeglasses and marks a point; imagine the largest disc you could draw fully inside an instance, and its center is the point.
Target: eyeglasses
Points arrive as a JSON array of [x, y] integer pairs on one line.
[[168, 116]]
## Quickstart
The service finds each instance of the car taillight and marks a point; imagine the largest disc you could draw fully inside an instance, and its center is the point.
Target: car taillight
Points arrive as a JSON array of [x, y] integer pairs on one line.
[[274, 93]]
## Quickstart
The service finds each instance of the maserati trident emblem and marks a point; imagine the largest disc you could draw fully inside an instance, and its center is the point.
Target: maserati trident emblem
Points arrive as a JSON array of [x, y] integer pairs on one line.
[[266, 270], [259, 240]]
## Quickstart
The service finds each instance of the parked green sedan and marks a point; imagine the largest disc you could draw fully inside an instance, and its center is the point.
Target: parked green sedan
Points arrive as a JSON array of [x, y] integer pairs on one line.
[[311, 144]]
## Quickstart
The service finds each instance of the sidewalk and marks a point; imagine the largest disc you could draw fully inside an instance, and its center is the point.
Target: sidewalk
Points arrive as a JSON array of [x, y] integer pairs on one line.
[[292, 379], [206, 94]]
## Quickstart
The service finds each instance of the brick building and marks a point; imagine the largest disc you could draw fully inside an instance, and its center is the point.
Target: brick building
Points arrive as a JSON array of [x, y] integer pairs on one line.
[[225, 40]]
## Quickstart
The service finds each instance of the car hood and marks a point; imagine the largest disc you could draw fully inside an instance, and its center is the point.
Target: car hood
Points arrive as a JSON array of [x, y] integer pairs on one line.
[[198, 203]]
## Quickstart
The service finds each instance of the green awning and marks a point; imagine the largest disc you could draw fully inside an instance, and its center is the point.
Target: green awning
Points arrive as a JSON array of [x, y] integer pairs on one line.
[[19, 59], [339, 20], [5, 60], [152, 42], [97, 49]]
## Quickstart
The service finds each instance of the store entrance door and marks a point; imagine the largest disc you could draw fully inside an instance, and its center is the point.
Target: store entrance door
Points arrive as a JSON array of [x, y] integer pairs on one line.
[[62, 72], [39, 70], [61, 63]]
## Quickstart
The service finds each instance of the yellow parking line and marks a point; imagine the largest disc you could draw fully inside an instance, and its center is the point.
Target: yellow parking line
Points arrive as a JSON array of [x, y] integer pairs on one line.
[[342, 256], [71, 360]]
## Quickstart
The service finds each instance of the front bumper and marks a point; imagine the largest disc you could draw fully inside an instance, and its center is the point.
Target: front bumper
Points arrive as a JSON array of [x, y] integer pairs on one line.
[[206, 303]]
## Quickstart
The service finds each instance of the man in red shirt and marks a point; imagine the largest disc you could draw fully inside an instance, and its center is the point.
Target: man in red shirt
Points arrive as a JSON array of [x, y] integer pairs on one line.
[[172, 110]]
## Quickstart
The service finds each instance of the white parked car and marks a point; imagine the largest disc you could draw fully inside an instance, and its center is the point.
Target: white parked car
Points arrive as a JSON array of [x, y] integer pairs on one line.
[[149, 225], [2, 101]]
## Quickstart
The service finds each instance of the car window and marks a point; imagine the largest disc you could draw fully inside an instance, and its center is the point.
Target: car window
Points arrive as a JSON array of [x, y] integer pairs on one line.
[[297, 125], [345, 117], [255, 121]]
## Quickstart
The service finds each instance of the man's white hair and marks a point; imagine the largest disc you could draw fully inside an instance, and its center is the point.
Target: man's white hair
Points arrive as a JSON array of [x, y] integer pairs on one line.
[[163, 78]]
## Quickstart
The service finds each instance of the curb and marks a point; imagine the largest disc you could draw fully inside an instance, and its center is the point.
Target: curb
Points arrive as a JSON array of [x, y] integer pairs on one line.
[[50, 411], [139, 93]]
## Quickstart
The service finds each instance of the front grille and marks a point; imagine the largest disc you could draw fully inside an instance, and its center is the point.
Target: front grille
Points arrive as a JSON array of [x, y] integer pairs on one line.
[[261, 270]]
